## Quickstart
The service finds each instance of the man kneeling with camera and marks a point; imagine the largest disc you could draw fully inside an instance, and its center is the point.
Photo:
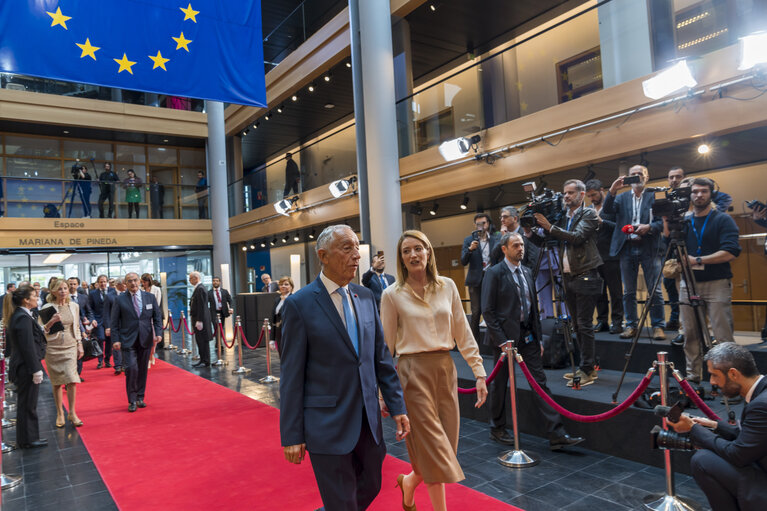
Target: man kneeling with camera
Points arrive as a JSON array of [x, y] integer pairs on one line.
[[731, 463]]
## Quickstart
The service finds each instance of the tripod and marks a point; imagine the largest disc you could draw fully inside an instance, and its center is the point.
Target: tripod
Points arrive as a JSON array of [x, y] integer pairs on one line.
[[559, 300], [678, 247], [74, 185]]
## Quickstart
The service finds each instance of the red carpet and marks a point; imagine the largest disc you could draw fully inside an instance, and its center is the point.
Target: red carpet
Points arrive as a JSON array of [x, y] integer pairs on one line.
[[199, 445]]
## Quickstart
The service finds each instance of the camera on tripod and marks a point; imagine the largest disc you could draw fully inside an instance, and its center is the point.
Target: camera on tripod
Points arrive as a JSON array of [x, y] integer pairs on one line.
[[675, 203], [77, 170], [669, 439], [549, 204]]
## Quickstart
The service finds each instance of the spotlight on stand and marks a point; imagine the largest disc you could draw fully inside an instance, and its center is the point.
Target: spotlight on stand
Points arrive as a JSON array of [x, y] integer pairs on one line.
[[454, 149], [434, 208], [465, 203], [671, 80], [753, 50], [340, 187], [285, 206]]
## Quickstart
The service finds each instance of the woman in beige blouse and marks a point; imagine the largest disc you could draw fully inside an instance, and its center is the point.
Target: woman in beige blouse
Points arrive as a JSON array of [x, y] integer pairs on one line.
[[423, 319], [64, 348]]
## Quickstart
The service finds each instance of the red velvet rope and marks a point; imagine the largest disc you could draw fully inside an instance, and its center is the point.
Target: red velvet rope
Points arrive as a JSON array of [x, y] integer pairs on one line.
[[223, 336], [493, 373], [186, 325], [245, 340], [703, 407], [174, 328], [587, 418]]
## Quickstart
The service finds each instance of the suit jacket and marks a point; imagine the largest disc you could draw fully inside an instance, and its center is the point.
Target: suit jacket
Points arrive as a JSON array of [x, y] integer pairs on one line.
[[96, 304], [27, 343], [474, 259], [106, 312], [605, 236], [622, 207], [324, 384], [226, 303], [372, 281], [127, 328], [277, 321], [85, 309], [273, 287], [502, 305], [199, 310], [743, 447]]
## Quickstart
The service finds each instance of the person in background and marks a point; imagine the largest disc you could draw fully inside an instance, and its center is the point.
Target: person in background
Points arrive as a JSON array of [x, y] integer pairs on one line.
[[286, 289], [148, 285], [64, 349], [199, 313], [81, 187], [156, 196], [40, 301], [423, 319], [292, 175], [97, 299], [269, 286], [475, 253], [107, 181], [375, 279], [510, 223], [118, 288], [27, 342], [44, 292], [132, 185], [9, 289], [219, 300], [201, 189]]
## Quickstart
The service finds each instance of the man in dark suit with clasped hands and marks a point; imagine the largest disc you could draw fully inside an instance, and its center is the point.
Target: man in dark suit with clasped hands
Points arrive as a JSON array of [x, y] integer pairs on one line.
[[136, 327], [333, 361]]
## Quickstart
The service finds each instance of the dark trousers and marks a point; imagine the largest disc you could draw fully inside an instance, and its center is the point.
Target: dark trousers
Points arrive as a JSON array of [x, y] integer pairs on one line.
[[350, 482], [156, 209], [291, 183], [499, 389], [475, 295], [104, 342], [136, 363], [27, 428], [202, 208], [103, 196], [581, 308], [132, 206], [719, 480], [673, 298], [611, 274], [203, 346]]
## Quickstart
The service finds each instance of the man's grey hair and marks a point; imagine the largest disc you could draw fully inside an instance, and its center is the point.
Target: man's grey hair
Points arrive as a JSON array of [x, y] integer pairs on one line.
[[730, 355], [508, 235], [511, 210], [131, 273], [327, 235], [197, 274], [579, 185], [119, 282]]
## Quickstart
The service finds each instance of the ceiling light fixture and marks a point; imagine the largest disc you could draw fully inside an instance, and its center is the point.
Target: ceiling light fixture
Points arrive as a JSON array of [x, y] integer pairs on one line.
[[341, 186], [456, 148], [753, 50], [263, 244], [311, 87], [274, 240], [327, 76], [296, 236], [280, 109], [256, 125], [244, 248], [285, 239], [252, 246], [348, 63], [268, 116], [465, 203], [433, 210], [56, 258], [294, 97], [670, 80], [704, 149], [311, 235]]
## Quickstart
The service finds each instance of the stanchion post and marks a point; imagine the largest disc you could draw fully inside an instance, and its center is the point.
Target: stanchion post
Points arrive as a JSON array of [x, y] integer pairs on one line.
[[183, 351], [219, 342], [238, 339], [6, 481], [169, 345], [266, 329], [516, 458], [668, 501]]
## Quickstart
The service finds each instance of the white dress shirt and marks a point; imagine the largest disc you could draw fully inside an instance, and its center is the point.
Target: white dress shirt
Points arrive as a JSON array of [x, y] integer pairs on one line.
[[336, 298]]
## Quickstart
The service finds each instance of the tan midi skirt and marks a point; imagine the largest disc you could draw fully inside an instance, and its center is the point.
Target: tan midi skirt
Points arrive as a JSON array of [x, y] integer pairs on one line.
[[61, 360], [429, 382]]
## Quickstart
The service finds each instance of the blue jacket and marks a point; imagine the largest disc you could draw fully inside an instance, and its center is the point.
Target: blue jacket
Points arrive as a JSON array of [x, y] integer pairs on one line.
[[474, 259], [127, 328], [96, 305], [622, 207], [372, 281], [324, 384]]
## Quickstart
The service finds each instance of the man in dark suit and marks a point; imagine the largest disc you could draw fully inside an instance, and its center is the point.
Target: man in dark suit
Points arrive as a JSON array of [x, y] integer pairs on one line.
[[87, 319], [639, 248], [116, 290], [136, 327], [510, 223], [199, 313], [476, 252], [607, 309], [511, 313], [376, 279], [333, 361], [219, 300], [97, 298], [730, 465], [269, 286]]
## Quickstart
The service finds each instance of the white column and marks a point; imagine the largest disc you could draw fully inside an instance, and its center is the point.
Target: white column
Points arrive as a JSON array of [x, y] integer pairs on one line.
[[218, 203]]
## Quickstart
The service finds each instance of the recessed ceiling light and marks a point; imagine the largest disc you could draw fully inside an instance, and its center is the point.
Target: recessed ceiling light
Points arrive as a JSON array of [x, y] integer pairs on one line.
[[329, 106], [311, 87], [66, 132], [165, 140], [348, 64], [294, 98]]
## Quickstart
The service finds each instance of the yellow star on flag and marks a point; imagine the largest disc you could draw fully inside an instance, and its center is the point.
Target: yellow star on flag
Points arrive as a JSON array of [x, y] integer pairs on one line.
[[88, 49], [58, 18], [189, 13], [182, 42], [125, 64], [159, 61]]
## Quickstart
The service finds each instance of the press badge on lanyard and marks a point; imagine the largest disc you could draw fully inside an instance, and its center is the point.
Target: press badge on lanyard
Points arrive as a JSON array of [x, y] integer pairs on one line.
[[699, 237]]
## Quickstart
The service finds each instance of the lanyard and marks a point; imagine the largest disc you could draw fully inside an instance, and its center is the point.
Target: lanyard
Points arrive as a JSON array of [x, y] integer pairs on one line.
[[699, 236]]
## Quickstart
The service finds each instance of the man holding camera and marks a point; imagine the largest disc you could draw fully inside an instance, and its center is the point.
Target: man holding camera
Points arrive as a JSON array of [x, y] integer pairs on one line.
[[577, 233], [636, 241], [712, 242], [81, 186], [730, 465], [376, 279], [475, 252]]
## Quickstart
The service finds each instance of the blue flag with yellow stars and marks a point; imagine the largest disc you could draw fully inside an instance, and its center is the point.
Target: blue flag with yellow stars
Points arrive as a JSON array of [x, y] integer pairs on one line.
[[206, 49]]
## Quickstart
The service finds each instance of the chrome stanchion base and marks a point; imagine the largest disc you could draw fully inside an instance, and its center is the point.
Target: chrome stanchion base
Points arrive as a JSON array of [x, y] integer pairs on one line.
[[241, 370], [269, 379], [184, 351], [519, 459], [220, 362], [8, 447], [8, 423], [9, 407], [663, 502], [195, 358], [9, 481], [171, 347]]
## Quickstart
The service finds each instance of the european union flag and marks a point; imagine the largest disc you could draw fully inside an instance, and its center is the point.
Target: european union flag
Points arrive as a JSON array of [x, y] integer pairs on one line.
[[207, 49]]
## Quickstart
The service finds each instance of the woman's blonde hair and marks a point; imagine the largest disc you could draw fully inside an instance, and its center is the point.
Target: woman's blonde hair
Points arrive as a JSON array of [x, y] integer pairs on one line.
[[8, 309], [288, 280], [431, 266], [51, 297]]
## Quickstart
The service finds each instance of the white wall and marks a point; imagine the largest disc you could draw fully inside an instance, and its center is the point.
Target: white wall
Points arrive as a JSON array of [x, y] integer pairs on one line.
[[280, 259]]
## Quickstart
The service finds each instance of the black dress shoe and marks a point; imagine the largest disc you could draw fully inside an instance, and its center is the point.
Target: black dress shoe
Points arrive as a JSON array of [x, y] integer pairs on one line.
[[678, 340], [616, 329], [140, 403], [118, 370], [556, 444], [501, 436], [37, 443], [132, 407], [107, 364], [601, 327], [198, 364], [99, 365]]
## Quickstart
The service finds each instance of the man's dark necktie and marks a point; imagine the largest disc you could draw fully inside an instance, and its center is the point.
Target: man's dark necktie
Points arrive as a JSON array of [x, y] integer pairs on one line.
[[522, 294]]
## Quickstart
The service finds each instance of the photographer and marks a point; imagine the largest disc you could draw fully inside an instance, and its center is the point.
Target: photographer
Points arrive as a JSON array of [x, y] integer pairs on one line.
[[579, 259], [640, 247], [82, 187], [731, 463], [107, 181], [712, 242], [475, 252]]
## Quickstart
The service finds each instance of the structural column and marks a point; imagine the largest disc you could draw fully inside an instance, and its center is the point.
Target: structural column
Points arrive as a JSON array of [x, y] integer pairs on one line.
[[218, 204], [380, 120]]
